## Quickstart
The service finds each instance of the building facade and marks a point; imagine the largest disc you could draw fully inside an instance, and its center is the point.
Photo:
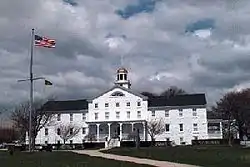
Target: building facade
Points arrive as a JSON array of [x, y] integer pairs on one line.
[[118, 112]]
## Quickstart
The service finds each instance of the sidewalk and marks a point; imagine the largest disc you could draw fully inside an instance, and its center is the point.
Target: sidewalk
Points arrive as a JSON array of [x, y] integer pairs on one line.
[[97, 153]]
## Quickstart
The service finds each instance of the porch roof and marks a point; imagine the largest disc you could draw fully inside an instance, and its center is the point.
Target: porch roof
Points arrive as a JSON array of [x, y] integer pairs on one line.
[[106, 122]]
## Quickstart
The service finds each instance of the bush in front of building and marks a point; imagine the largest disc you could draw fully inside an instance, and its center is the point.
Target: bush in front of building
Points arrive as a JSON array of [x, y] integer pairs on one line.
[[146, 144], [215, 142]]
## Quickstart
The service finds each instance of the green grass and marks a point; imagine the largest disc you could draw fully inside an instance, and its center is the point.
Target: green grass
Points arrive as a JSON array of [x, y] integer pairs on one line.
[[58, 159], [212, 156]]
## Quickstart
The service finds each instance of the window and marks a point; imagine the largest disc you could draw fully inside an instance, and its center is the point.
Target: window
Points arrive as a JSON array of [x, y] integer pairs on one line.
[[125, 77], [121, 77], [96, 116], [181, 127], [58, 117], [83, 116], [180, 112], [58, 131], [46, 142], [128, 104], [46, 131], [117, 114], [138, 103], [194, 112], [195, 137], [71, 141], [213, 127], [166, 113], [128, 114], [83, 130], [195, 126], [71, 117], [138, 114], [167, 139], [58, 142], [96, 105], [106, 104], [167, 127], [117, 104], [118, 93], [71, 131], [153, 113], [181, 139], [106, 115]]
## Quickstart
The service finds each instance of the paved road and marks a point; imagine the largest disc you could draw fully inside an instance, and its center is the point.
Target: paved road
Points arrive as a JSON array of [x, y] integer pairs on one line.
[[97, 153]]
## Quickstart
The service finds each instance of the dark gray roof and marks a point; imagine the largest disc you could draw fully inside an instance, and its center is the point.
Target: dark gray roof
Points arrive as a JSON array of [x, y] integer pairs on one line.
[[66, 105], [179, 100], [159, 101]]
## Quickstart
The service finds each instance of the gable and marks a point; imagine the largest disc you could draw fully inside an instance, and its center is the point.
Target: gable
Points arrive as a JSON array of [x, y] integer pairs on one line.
[[118, 92]]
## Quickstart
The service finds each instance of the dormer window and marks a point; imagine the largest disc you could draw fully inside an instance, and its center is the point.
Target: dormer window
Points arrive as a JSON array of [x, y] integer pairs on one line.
[[117, 104]]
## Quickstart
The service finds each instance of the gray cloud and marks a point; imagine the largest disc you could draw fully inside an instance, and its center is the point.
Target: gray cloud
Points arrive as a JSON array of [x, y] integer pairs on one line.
[[82, 65]]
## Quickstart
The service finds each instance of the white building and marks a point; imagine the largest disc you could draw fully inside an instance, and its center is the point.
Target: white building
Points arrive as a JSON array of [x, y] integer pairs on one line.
[[120, 110]]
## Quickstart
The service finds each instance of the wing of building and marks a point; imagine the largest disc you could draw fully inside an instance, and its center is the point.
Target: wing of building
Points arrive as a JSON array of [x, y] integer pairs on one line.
[[120, 111]]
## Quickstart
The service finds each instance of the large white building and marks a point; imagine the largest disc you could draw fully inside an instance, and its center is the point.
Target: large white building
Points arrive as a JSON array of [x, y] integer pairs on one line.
[[119, 111]]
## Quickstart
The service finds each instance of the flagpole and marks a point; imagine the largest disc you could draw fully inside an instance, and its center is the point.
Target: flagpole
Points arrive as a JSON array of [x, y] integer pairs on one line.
[[31, 86]]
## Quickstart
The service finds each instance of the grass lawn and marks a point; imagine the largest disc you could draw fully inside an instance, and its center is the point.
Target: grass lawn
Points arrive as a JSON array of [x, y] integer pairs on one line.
[[58, 159], [211, 156]]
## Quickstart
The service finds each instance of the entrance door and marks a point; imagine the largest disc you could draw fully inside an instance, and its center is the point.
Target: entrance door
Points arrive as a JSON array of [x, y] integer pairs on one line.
[[118, 130]]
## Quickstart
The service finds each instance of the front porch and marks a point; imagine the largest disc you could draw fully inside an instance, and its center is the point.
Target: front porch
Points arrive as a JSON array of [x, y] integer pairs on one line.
[[124, 131]]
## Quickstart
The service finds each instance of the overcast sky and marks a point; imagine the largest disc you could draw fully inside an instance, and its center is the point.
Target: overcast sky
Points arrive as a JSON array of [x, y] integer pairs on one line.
[[201, 46]]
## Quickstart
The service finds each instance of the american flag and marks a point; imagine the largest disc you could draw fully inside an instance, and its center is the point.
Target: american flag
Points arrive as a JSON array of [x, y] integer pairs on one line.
[[44, 42]]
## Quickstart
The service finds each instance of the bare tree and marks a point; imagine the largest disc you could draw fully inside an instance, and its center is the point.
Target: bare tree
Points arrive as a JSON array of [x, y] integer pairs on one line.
[[155, 127], [67, 131], [40, 118], [172, 91]]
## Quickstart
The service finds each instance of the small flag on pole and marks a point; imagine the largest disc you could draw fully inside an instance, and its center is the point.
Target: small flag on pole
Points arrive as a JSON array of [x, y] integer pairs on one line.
[[47, 82], [44, 42]]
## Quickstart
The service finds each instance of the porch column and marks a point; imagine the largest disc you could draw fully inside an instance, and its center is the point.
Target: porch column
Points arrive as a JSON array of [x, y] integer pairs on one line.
[[87, 130], [109, 124], [97, 129], [144, 130], [132, 126], [221, 133], [120, 131]]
